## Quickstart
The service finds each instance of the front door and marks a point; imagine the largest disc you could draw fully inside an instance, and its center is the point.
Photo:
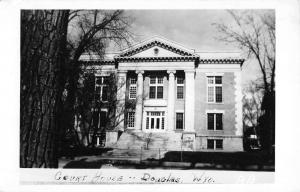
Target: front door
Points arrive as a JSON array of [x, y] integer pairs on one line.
[[155, 121]]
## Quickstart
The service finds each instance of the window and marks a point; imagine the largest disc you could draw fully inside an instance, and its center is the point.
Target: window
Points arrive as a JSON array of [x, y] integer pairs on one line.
[[214, 144], [214, 89], [214, 121], [156, 88], [101, 88], [210, 121], [219, 143], [179, 121], [104, 93], [210, 144], [155, 121], [180, 85], [103, 119], [130, 120], [132, 88], [160, 92]]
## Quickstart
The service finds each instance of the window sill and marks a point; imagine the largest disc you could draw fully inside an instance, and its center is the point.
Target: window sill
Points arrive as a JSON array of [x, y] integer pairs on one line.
[[215, 103], [214, 149], [155, 98]]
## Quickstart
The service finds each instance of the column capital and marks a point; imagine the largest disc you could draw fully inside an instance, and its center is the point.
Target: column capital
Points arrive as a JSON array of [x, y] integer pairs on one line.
[[139, 72], [171, 72]]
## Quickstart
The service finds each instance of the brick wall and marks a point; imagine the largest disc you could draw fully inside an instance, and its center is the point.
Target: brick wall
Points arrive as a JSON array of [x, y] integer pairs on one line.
[[230, 143], [228, 106]]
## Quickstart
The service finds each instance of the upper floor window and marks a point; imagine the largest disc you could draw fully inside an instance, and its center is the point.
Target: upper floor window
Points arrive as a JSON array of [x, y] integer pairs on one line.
[[101, 88], [156, 88], [132, 88], [214, 89], [180, 87], [214, 121]]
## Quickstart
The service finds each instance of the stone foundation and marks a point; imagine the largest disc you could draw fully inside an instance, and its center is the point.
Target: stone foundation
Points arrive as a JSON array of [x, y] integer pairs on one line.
[[111, 138], [186, 141], [230, 143]]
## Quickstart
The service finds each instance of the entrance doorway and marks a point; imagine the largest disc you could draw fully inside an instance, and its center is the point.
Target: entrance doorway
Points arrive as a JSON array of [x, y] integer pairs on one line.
[[155, 121]]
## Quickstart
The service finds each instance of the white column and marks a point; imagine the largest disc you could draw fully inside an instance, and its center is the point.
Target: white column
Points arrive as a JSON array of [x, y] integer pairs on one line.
[[189, 100], [171, 101], [121, 90], [139, 101]]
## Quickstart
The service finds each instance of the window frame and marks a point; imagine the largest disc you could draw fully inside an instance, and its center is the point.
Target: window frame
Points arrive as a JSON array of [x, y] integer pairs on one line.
[[156, 85], [105, 118], [155, 121], [221, 144], [214, 121], [180, 85], [176, 121], [214, 144], [101, 87], [207, 144], [214, 85], [131, 116], [132, 85]]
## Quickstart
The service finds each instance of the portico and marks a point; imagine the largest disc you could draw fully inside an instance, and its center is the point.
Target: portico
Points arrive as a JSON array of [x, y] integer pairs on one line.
[[165, 106]]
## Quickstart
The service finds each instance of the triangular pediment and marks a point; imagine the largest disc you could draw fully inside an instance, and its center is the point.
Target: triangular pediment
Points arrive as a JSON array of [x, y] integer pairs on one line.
[[157, 47]]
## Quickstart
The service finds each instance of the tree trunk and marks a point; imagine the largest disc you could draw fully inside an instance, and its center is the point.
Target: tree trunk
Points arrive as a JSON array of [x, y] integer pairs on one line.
[[43, 53]]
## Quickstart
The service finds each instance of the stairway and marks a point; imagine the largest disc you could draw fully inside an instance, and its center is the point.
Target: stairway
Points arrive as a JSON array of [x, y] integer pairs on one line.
[[139, 145], [137, 154], [137, 140]]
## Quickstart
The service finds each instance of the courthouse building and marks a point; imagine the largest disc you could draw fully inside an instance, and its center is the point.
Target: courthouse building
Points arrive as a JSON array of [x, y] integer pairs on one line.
[[183, 99]]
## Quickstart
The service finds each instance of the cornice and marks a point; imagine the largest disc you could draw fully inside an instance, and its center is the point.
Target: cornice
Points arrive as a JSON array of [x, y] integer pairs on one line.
[[156, 59], [99, 62], [164, 59], [221, 61]]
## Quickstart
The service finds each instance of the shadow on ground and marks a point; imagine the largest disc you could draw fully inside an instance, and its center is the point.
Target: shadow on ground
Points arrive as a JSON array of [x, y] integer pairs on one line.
[[71, 153], [245, 161], [245, 158]]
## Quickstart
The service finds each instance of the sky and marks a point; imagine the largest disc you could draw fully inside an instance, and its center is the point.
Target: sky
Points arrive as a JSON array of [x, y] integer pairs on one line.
[[191, 28]]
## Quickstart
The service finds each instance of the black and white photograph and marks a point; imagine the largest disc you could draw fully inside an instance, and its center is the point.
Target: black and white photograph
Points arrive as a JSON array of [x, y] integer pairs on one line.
[[147, 96], [100, 88]]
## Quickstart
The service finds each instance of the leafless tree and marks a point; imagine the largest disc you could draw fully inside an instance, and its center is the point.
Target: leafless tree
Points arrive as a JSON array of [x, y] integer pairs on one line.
[[88, 107], [254, 32], [43, 49], [252, 101], [90, 32], [52, 42]]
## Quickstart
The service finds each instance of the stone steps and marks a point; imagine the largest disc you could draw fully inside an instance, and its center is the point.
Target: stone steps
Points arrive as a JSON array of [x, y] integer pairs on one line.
[[138, 140], [134, 153]]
